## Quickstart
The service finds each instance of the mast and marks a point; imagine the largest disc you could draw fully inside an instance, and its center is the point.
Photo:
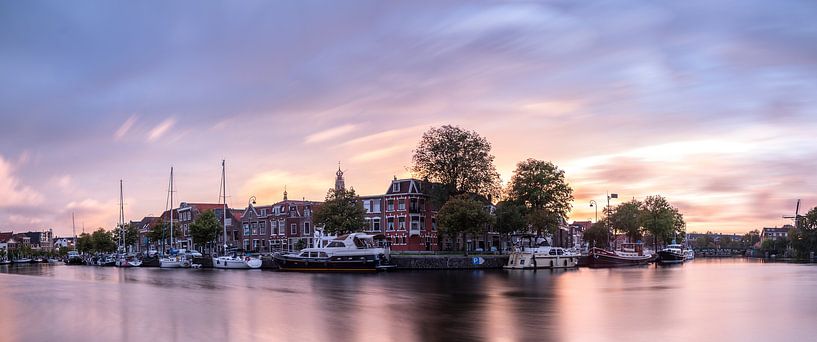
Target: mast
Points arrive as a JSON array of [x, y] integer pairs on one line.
[[74, 230], [172, 242], [224, 192], [121, 217]]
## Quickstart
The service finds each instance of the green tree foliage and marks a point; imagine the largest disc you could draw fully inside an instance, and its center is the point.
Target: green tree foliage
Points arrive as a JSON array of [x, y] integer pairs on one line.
[[541, 188], [341, 213], [662, 220], [205, 228], [774, 246], [509, 219], [751, 238], [804, 237], [627, 218], [458, 159], [705, 241], [84, 243], [102, 241], [597, 235], [3, 254], [461, 216], [162, 230], [131, 234]]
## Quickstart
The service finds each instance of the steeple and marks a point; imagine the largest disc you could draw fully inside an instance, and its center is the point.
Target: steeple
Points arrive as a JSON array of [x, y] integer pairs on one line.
[[340, 183], [285, 192]]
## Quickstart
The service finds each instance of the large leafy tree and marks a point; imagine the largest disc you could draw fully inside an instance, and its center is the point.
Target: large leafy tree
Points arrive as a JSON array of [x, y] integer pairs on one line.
[[541, 188], [663, 221], [597, 235], [463, 215], [804, 236], [205, 228], [626, 218], [102, 241], [131, 234], [341, 213], [509, 219], [84, 243], [458, 159]]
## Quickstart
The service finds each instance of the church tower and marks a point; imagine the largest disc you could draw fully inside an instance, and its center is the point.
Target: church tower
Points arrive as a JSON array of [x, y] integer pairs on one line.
[[340, 183]]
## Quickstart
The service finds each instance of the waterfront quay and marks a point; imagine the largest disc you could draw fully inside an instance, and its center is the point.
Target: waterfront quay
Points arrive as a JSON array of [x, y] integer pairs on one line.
[[703, 300]]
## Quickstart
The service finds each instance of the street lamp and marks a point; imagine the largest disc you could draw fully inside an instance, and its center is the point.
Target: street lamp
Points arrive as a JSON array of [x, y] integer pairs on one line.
[[609, 232], [593, 204]]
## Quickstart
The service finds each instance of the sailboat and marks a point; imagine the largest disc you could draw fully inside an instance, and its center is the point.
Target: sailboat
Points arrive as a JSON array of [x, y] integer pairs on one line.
[[174, 260], [231, 260], [121, 260]]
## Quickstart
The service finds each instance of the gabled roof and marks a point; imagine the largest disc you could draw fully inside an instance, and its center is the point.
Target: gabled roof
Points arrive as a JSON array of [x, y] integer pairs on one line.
[[5, 236]]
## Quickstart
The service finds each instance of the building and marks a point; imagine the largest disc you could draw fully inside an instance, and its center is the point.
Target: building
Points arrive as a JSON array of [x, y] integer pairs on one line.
[[775, 233], [64, 242], [6, 241], [278, 227]]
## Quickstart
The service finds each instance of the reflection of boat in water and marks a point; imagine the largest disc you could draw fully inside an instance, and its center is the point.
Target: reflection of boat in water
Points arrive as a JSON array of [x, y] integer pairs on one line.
[[672, 254], [346, 253], [542, 256], [630, 254]]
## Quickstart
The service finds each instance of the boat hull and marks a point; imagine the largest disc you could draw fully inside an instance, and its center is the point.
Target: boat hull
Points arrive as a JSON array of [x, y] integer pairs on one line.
[[332, 264], [236, 263], [667, 257], [596, 259], [530, 261]]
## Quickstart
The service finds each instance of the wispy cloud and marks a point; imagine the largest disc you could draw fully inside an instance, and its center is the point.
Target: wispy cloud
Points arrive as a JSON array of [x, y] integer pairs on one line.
[[12, 192], [160, 129], [330, 134], [126, 126]]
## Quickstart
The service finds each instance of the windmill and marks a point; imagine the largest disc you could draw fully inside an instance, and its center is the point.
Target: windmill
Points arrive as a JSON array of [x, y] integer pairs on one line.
[[797, 217]]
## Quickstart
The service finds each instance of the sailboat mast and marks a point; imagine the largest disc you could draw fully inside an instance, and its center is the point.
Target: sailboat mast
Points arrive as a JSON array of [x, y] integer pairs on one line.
[[121, 217], [224, 190], [172, 241]]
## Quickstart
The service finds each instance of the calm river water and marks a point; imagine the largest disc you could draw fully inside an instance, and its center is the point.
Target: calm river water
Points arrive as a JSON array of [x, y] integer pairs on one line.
[[705, 300]]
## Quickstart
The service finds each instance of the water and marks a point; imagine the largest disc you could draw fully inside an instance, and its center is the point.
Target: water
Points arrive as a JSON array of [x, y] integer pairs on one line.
[[709, 300]]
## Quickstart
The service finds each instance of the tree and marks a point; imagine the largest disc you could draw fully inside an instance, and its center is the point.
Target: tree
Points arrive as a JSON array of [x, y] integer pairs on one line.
[[509, 219], [661, 220], [626, 218], [205, 228], [541, 188], [751, 238], [131, 234], [804, 237], [462, 215], [458, 159], [725, 242], [341, 213], [102, 241], [84, 243], [596, 235]]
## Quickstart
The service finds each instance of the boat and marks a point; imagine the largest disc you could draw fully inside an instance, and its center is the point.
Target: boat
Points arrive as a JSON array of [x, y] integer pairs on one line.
[[231, 260], [38, 260], [346, 253], [542, 257], [134, 262], [22, 261], [73, 258], [106, 260], [5, 261], [672, 254], [53, 261], [174, 260], [630, 254], [689, 254]]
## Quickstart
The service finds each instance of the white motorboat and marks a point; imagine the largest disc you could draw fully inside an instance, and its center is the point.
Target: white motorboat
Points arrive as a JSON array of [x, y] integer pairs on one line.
[[689, 254], [175, 261], [352, 252], [542, 257]]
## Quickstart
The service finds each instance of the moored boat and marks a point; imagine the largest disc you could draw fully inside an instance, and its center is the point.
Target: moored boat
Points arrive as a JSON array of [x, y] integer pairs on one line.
[[347, 253], [73, 258], [231, 261], [630, 254], [672, 254], [689, 254], [542, 257], [22, 261]]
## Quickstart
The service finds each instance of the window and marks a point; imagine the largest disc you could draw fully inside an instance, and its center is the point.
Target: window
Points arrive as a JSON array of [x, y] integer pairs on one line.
[[307, 227], [376, 224], [262, 227], [434, 224], [367, 205], [401, 223], [263, 212], [401, 204], [395, 187], [390, 206], [255, 228], [273, 227], [246, 244], [415, 223], [246, 229], [293, 229], [255, 244], [390, 223], [281, 227]]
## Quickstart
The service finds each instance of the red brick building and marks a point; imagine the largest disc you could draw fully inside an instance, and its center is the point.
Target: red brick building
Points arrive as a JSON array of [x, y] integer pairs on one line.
[[278, 227]]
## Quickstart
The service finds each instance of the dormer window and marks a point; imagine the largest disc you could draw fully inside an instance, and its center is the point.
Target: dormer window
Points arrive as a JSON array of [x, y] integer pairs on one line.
[[395, 187]]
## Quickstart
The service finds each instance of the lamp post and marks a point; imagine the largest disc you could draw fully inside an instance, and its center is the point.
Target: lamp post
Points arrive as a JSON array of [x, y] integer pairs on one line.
[[609, 232], [593, 204]]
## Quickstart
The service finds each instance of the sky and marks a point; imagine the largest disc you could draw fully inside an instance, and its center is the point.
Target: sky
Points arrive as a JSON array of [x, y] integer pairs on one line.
[[709, 104]]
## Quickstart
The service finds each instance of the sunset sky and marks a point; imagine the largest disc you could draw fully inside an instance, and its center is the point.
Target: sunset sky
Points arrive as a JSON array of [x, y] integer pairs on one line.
[[711, 105]]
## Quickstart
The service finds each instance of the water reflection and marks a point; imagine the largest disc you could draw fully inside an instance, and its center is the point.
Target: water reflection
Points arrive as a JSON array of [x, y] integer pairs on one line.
[[703, 300]]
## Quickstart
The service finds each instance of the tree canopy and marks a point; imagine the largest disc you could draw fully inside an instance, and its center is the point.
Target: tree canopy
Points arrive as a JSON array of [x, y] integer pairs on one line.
[[540, 187], [131, 234], [627, 218], [662, 220], [509, 218], [341, 213], [460, 160], [463, 215], [102, 241], [597, 235], [804, 236], [205, 228]]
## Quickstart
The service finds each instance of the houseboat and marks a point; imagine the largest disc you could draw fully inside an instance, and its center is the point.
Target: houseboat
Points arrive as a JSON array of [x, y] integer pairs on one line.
[[672, 254], [630, 254], [346, 253]]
